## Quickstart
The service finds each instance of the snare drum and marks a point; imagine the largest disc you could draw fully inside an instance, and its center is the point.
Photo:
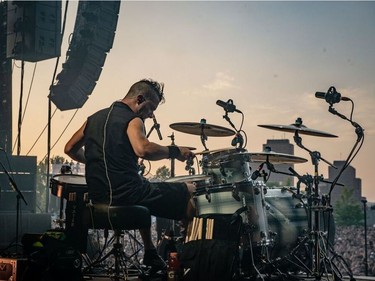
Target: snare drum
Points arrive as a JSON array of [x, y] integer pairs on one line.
[[230, 198], [228, 166], [62, 185]]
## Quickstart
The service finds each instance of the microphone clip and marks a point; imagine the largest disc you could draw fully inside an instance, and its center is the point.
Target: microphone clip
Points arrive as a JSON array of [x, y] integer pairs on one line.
[[238, 139]]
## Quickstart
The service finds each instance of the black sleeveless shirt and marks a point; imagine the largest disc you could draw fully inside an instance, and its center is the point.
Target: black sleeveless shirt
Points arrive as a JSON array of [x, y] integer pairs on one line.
[[111, 164]]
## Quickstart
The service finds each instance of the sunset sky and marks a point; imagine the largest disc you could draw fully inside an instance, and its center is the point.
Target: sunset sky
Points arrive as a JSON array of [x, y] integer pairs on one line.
[[268, 57]]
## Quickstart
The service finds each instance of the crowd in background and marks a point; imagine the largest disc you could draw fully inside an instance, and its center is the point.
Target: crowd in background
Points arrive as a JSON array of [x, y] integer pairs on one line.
[[350, 244]]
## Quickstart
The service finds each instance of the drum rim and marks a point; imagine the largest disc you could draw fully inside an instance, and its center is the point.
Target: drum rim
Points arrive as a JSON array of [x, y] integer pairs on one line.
[[188, 178], [59, 179]]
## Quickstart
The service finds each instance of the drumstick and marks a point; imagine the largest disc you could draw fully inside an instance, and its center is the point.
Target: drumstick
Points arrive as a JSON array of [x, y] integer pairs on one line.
[[200, 226], [212, 228], [208, 229], [192, 230], [188, 233], [209, 223], [195, 233]]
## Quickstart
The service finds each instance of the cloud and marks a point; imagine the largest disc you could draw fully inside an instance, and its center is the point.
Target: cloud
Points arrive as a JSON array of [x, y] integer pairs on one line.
[[221, 82]]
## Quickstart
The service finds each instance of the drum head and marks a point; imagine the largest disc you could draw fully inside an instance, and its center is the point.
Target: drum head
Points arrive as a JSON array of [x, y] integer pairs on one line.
[[70, 179], [215, 155]]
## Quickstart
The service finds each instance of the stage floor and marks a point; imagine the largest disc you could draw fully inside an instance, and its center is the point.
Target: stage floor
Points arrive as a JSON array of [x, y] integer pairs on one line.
[[357, 278]]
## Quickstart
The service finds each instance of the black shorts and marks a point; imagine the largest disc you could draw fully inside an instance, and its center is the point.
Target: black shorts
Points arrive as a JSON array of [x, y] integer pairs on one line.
[[165, 199]]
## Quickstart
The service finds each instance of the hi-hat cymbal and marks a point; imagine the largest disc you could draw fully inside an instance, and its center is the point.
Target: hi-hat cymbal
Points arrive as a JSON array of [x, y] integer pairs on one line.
[[227, 150], [302, 129], [188, 147], [271, 157], [208, 129]]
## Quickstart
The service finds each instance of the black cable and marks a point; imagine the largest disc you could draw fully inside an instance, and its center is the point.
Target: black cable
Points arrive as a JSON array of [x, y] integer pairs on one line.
[[29, 93], [66, 127], [357, 146], [49, 107], [40, 135]]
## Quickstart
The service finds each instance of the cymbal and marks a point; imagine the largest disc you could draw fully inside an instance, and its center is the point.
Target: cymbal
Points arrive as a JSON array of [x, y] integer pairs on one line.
[[189, 147], [272, 157], [302, 129], [209, 130]]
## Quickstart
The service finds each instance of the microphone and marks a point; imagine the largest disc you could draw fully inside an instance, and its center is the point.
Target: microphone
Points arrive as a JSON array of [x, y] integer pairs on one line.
[[256, 173], [157, 127], [332, 96], [238, 139], [228, 106]]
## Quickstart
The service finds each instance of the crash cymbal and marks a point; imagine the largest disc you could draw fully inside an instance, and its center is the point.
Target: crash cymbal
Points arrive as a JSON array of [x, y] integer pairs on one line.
[[272, 157], [302, 129], [276, 158], [196, 129]]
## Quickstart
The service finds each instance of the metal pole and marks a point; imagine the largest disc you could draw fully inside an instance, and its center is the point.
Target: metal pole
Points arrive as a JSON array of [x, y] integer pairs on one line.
[[364, 201]]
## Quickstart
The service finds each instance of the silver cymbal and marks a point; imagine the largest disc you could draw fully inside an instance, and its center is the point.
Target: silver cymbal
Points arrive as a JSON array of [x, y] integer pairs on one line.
[[271, 157], [302, 129], [195, 128], [277, 158]]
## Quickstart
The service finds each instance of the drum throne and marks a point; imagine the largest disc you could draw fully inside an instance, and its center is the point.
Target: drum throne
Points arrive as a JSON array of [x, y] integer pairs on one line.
[[80, 216], [120, 219]]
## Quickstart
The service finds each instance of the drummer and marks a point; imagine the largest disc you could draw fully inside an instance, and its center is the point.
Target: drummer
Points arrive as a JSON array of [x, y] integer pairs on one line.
[[110, 143]]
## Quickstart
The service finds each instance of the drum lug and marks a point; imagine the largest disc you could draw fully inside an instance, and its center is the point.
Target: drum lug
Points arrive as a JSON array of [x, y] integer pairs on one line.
[[256, 190], [208, 197], [235, 193], [222, 171]]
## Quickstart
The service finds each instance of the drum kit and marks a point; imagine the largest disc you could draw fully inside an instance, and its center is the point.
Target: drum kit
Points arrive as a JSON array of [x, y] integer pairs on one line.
[[285, 229]]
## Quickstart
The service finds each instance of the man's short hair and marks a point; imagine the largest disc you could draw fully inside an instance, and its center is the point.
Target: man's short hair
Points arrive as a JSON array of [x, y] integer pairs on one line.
[[147, 87]]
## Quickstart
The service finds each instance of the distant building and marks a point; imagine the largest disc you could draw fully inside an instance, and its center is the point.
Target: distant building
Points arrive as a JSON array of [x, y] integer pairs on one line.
[[348, 179]]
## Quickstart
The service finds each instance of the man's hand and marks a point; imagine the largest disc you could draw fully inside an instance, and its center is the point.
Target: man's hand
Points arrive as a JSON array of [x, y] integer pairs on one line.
[[186, 153]]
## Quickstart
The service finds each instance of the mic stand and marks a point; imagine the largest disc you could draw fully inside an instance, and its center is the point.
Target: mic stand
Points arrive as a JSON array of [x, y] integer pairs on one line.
[[141, 166], [319, 246], [203, 135], [360, 138], [172, 159], [19, 197], [238, 139]]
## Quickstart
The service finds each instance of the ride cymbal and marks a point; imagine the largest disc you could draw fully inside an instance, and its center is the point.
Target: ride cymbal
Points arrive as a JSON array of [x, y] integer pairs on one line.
[[195, 128], [276, 158], [302, 129], [271, 157]]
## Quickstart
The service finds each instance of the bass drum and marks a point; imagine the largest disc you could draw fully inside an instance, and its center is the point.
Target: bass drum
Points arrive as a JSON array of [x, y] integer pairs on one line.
[[288, 222]]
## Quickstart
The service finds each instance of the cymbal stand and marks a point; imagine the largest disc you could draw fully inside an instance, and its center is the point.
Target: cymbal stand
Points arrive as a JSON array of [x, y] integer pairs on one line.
[[319, 246], [203, 135], [172, 159]]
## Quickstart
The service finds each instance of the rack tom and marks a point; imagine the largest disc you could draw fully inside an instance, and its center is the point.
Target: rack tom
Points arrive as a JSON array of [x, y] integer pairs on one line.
[[227, 166]]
